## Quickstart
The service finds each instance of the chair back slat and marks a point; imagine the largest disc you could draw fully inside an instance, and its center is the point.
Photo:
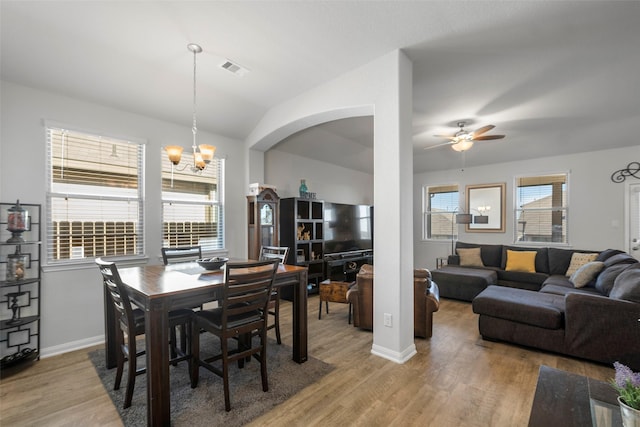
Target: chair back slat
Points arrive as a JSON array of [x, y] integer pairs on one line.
[[247, 289], [181, 254], [274, 252]]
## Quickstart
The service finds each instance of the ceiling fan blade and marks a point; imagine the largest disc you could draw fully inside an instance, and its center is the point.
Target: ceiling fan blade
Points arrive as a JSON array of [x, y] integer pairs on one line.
[[451, 137], [438, 145], [488, 137], [482, 130]]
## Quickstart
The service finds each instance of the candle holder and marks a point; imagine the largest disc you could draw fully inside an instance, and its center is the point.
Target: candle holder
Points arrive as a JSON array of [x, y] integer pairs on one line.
[[18, 222]]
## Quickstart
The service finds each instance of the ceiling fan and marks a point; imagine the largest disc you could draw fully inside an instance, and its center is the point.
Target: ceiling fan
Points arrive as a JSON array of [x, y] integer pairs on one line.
[[464, 139]]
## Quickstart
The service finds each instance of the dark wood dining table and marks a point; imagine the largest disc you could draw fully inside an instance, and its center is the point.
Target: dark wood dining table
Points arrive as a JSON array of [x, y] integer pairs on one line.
[[158, 289]]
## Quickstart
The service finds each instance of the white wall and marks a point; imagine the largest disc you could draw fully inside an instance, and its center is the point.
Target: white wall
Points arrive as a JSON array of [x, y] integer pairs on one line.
[[596, 204], [331, 183], [72, 313]]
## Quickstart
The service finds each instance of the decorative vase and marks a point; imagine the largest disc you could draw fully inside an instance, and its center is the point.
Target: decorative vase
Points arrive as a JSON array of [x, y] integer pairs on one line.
[[630, 416], [303, 188]]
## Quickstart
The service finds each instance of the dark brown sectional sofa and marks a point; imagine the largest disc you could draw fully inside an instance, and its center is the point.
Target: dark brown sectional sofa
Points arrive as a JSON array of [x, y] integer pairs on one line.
[[545, 310]]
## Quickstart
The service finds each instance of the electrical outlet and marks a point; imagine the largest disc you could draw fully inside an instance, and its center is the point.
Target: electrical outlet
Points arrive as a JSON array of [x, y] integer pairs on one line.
[[387, 320]]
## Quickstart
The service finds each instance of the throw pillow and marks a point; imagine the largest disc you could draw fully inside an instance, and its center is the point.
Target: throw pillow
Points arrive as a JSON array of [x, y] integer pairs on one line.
[[470, 257], [627, 285], [578, 259], [521, 261], [607, 277], [586, 273]]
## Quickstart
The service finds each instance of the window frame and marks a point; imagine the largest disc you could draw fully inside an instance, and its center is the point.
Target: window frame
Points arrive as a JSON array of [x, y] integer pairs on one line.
[[564, 209], [139, 244], [427, 213]]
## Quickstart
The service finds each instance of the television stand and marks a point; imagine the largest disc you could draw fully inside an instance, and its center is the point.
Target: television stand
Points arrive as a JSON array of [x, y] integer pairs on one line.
[[343, 266]]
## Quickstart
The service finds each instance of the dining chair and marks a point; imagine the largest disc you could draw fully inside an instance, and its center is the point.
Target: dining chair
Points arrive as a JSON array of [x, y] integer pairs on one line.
[[181, 254], [243, 311], [176, 255], [280, 253], [132, 324]]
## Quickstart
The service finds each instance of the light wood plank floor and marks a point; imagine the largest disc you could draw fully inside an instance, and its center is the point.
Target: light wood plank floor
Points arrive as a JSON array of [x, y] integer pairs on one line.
[[456, 379]]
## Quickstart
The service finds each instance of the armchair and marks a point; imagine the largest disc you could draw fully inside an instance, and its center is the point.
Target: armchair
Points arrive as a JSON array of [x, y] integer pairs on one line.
[[426, 300]]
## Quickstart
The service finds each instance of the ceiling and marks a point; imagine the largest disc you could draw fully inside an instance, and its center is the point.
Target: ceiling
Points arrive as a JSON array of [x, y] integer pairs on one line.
[[555, 77]]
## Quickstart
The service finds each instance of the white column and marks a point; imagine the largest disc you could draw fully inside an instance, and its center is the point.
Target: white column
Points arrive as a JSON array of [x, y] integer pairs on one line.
[[393, 207]]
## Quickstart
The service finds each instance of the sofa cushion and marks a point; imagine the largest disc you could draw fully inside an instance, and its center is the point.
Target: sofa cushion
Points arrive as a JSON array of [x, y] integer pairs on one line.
[[608, 253], [578, 259], [563, 290], [559, 259], [623, 258], [606, 278], [586, 274], [518, 305], [470, 257], [491, 254], [627, 285], [521, 261], [542, 257], [521, 277]]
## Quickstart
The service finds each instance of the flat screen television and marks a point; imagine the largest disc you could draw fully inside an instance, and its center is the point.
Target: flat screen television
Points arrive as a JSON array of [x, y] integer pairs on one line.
[[347, 228]]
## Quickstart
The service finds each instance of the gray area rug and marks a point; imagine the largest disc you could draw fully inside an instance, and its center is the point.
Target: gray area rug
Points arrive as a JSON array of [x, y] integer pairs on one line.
[[204, 405]]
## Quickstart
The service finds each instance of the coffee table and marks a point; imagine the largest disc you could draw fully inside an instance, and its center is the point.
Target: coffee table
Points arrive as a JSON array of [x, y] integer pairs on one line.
[[566, 399]]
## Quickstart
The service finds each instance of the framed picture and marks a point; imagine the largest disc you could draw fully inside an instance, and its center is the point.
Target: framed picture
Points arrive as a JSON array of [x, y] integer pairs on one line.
[[486, 203]]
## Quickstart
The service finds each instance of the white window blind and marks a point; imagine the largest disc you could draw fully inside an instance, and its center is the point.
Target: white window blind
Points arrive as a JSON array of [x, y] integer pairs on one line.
[[541, 209], [95, 196], [440, 205], [192, 204]]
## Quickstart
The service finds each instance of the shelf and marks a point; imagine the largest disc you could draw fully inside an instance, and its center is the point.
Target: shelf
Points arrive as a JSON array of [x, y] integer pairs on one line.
[[4, 324], [15, 359], [7, 283]]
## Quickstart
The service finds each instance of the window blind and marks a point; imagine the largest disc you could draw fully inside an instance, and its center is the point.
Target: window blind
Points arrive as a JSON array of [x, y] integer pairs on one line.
[[192, 204], [95, 204]]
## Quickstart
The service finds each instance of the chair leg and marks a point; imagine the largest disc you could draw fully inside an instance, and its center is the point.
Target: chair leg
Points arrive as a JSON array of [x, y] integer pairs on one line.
[[277, 318], [225, 373], [263, 360], [194, 364], [172, 344], [320, 310], [131, 377], [119, 359]]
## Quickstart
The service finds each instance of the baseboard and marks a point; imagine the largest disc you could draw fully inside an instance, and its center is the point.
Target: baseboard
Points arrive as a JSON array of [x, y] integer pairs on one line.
[[71, 346], [394, 356]]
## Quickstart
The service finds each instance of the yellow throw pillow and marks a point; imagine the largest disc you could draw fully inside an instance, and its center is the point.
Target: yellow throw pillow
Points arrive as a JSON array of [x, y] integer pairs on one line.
[[521, 261], [579, 259], [470, 257]]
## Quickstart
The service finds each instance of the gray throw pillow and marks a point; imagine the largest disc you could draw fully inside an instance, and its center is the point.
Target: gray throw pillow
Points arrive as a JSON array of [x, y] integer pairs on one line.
[[586, 273], [606, 279], [627, 285]]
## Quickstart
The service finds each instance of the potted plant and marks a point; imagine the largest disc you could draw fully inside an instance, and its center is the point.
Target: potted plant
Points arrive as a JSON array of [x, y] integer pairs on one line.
[[627, 383]]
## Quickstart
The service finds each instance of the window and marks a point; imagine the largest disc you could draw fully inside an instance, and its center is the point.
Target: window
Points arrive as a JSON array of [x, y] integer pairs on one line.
[[541, 209], [95, 193], [192, 204], [440, 205]]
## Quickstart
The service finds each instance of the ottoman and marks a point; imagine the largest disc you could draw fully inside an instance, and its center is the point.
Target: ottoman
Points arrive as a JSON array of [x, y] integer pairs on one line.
[[463, 283]]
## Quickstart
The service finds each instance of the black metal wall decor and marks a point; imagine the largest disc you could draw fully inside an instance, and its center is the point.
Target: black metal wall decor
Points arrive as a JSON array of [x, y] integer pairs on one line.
[[632, 169]]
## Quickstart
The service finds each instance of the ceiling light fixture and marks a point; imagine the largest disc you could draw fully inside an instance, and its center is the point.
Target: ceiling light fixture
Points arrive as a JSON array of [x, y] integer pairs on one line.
[[203, 153]]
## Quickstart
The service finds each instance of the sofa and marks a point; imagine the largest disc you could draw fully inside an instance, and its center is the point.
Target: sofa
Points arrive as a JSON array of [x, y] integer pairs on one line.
[[426, 300], [584, 304]]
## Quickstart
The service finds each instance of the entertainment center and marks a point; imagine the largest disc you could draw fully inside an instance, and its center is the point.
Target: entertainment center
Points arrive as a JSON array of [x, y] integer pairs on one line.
[[331, 239]]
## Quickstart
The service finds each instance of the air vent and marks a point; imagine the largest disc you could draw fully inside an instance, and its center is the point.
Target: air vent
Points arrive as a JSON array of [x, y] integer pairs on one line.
[[234, 68]]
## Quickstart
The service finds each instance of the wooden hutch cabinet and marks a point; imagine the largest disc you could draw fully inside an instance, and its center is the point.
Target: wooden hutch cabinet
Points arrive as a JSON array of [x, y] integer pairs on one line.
[[264, 219]]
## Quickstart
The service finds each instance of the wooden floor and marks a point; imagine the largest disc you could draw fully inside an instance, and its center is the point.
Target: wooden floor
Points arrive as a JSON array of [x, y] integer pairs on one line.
[[456, 379]]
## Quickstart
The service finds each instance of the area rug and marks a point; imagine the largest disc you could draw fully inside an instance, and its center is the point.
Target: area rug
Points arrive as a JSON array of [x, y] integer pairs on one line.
[[204, 405]]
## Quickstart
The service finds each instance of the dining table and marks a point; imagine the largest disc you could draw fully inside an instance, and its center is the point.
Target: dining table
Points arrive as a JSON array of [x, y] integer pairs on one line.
[[158, 289]]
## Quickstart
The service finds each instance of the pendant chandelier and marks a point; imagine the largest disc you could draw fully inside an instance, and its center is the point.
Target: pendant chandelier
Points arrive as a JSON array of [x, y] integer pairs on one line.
[[203, 153]]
